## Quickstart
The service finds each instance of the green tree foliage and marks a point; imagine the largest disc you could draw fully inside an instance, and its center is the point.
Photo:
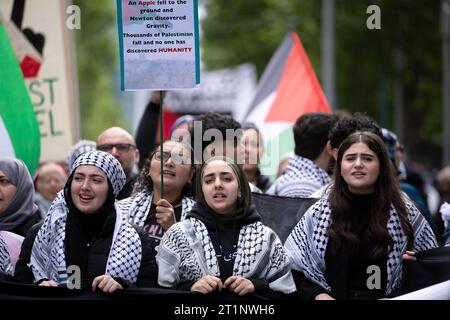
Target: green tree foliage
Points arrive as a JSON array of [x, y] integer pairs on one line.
[[249, 31], [97, 59]]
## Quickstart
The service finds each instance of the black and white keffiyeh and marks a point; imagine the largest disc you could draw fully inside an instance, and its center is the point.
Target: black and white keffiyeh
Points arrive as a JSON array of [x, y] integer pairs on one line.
[[48, 254], [301, 179], [78, 149], [307, 243], [48, 259], [5, 261], [138, 206], [186, 253], [107, 163]]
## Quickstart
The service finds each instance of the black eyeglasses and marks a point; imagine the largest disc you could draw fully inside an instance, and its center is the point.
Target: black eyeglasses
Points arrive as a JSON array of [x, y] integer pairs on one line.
[[165, 155], [121, 147]]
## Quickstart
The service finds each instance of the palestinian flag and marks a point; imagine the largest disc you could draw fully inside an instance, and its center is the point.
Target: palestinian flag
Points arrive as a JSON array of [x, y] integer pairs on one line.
[[288, 88], [19, 129]]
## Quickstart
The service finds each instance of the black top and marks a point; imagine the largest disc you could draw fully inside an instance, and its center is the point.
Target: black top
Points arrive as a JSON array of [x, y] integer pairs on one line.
[[22, 230], [348, 273], [154, 230], [262, 182], [95, 257], [224, 234], [87, 244]]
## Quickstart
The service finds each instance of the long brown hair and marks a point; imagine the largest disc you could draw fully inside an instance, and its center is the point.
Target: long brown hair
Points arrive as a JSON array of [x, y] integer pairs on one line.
[[387, 192]]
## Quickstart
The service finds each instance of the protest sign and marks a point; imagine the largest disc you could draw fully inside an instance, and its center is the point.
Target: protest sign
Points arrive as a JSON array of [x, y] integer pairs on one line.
[[158, 44], [43, 45]]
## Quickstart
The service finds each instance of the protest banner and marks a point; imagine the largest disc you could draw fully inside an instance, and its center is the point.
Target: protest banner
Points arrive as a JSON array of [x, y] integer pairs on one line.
[[42, 42], [158, 44]]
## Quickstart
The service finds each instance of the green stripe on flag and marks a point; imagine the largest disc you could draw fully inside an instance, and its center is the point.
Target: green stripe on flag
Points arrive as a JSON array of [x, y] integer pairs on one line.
[[275, 150], [16, 109]]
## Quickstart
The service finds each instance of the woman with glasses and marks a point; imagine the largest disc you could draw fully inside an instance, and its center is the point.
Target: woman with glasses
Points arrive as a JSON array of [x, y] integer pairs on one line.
[[156, 207], [222, 246]]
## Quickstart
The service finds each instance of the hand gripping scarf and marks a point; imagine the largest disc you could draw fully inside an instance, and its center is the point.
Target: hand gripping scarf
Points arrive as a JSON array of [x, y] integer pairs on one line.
[[138, 206]]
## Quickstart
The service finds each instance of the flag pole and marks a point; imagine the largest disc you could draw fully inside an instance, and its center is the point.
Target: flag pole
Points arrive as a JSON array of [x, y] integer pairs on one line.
[[161, 139]]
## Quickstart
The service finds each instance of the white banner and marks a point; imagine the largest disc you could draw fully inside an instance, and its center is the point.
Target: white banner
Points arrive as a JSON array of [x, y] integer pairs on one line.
[[440, 291]]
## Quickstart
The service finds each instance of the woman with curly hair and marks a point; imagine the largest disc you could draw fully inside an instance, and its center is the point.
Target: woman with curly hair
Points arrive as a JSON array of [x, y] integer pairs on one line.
[[147, 207]]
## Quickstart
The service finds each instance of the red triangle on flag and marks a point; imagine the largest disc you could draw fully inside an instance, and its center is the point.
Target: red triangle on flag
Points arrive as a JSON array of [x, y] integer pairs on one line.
[[299, 90]]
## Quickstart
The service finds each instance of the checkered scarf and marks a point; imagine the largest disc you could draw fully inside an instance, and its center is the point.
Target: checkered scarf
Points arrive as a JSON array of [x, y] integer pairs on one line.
[[107, 163], [307, 243], [186, 253], [138, 206], [78, 149], [48, 259], [5, 262], [302, 178], [48, 255]]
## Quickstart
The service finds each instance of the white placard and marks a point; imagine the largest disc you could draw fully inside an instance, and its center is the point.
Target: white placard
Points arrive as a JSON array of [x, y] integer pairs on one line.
[[158, 44]]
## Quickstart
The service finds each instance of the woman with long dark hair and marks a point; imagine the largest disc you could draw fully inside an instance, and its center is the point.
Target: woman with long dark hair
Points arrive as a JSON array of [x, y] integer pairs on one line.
[[350, 245]]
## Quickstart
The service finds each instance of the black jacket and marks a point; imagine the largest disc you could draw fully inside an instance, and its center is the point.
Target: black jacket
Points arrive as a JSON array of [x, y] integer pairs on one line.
[[23, 229], [97, 256]]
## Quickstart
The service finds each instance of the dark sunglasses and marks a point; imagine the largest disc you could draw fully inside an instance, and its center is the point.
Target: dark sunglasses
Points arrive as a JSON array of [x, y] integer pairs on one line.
[[121, 147]]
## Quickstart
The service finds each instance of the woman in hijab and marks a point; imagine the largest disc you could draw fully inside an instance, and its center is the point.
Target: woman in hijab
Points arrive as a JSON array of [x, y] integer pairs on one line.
[[85, 228], [222, 244], [18, 213]]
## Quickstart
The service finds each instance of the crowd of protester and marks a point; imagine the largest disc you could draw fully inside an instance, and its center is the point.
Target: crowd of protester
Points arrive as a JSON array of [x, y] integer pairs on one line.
[[128, 213]]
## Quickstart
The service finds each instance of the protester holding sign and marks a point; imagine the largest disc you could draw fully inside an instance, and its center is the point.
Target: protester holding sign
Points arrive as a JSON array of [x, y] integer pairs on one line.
[[148, 207], [222, 246], [349, 245]]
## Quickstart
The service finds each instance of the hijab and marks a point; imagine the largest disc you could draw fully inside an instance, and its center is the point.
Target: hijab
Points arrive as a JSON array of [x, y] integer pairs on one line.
[[243, 201], [22, 206]]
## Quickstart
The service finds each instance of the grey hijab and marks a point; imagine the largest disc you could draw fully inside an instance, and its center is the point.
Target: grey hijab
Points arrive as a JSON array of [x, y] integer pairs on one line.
[[22, 205]]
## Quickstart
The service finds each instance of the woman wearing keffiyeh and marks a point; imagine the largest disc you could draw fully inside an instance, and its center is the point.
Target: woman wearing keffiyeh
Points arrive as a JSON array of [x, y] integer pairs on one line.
[[350, 244], [149, 207], [222, 246], [85, 228]]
